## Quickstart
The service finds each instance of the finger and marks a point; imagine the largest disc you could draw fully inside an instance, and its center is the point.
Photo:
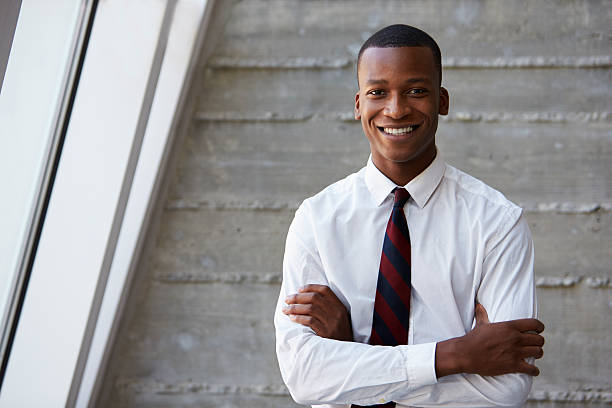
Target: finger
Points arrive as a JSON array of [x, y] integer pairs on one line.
[[526, 368], [302, 298], [311, 287], [480, 313], [530, 339], [526, 325], [532, 351], [308, 321], [297, 309]]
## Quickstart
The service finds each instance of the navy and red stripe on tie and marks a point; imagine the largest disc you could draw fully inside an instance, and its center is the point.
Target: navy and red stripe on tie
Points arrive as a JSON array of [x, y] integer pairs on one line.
[[392, 303]]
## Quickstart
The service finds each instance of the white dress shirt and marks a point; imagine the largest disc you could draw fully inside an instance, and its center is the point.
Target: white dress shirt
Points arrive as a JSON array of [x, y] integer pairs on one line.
[[469, 243]]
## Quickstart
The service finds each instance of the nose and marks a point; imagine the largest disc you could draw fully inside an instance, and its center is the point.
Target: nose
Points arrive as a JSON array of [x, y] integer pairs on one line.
[[396, 107]]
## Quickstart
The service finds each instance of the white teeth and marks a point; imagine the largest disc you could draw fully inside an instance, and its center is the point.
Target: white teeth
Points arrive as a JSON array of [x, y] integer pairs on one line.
[[398, 131]]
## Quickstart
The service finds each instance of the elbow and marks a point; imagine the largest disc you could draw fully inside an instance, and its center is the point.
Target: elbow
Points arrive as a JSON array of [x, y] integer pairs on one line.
[[520, 389], [295, 371], [301, 395], [311, 393], [302, 387], [301, 392], [297, 389], [301, 371], [514, 390]]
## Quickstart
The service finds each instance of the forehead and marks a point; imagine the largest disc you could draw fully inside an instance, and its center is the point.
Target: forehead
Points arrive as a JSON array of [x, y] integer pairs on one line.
[[397, 63]]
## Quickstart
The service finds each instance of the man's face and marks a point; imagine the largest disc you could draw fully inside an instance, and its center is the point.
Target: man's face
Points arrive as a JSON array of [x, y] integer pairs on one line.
[[398, 103]]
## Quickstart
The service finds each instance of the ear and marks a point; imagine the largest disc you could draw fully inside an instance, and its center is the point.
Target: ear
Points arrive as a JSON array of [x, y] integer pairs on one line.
[[444, 101], [357, 111]]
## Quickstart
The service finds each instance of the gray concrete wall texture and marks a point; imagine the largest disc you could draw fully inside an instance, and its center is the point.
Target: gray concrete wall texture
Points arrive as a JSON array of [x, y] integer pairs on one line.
[[272, 124]]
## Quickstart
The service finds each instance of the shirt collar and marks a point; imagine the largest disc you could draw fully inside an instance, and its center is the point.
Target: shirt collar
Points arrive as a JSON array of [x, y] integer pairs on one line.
[[420, 188]]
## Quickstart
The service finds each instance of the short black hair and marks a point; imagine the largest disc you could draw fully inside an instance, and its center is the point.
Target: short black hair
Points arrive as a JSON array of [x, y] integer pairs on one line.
[[402, 35]]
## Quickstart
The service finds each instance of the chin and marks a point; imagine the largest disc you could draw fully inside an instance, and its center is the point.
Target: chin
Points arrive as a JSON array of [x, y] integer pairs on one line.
[[401, 159], [400, 156]]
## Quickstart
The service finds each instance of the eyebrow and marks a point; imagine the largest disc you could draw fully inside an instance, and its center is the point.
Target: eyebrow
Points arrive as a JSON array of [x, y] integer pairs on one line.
[[385, 82]]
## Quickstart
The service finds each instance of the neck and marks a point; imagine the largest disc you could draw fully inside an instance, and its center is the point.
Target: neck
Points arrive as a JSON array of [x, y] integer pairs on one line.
[[401, 173]]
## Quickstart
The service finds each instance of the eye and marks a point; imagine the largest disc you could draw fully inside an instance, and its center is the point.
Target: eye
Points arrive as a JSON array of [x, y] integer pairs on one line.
[[417, 91], [376, 92]]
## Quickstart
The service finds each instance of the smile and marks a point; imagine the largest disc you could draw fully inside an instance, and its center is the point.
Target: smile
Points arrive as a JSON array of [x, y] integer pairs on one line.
[[398, 131]]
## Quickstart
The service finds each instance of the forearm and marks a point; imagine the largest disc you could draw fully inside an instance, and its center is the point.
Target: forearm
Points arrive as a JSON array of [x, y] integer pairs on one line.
[[457, 388], [448, 358], [472, 390], [317, 370]]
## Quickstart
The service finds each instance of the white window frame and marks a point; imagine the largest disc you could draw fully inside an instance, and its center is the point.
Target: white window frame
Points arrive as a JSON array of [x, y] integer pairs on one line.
[[140, 57], [9, 11]]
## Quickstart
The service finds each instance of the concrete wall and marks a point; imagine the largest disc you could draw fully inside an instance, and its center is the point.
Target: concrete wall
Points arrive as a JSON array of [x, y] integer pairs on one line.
[[530, 115]]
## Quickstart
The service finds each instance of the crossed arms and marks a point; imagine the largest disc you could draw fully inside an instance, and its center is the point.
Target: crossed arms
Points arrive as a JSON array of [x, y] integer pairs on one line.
[[322, 365], [489, 349]]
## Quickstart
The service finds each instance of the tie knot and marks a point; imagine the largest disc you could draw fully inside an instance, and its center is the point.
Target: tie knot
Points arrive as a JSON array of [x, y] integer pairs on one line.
[[401, 196]]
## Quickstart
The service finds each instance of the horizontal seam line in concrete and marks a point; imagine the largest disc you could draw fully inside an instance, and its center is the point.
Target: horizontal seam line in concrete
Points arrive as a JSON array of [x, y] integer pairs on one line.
[[228, 278], [455, 117], [554, 393], [182, 204], [271, 278], [517, 62]]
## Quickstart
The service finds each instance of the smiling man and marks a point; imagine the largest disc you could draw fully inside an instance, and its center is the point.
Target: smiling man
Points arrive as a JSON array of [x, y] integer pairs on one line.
[[408, 283]]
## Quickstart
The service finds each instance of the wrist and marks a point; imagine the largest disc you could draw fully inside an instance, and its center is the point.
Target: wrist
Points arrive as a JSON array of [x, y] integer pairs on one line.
[[448, 358]]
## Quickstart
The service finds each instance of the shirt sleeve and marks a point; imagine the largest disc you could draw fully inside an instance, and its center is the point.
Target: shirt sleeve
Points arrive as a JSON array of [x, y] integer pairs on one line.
[[317, 370], [507, 291]]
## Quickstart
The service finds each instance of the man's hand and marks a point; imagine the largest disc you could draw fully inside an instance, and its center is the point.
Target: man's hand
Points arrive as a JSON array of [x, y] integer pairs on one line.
[[492, 348], [317, 307]]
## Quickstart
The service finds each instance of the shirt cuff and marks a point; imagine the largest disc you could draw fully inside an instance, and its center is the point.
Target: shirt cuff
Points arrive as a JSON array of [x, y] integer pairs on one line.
[[420, 363]]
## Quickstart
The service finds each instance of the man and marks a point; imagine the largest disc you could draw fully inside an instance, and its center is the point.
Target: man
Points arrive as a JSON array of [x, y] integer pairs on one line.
[[406, 255]]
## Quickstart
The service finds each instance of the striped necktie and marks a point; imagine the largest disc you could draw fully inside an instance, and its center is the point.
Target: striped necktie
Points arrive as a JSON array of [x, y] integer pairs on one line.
[[392, 304]]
